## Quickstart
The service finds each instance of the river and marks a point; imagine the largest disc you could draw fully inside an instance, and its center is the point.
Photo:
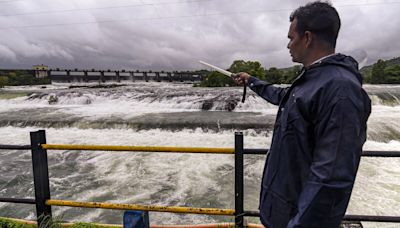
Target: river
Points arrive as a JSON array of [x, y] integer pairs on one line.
[[167, 114]]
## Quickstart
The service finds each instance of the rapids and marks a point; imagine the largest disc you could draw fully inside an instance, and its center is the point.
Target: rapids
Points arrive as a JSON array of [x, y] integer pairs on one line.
[[165, 114]]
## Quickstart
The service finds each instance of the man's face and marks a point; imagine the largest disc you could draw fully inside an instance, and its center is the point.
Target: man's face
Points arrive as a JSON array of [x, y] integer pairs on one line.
[[296, 45]]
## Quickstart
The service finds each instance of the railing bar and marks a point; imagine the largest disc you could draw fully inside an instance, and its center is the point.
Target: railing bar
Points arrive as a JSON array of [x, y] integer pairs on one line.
[[173, 209], [117, 206], [366, 218], [372, 218], [381, 154], [364, 154], [140, 148], [372, 153], [17, 200], [255, 151], [15, 147], [188, 149], [251, 213]]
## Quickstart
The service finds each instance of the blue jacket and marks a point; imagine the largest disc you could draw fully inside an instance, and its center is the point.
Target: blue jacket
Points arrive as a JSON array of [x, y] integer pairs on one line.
[[318, 136]]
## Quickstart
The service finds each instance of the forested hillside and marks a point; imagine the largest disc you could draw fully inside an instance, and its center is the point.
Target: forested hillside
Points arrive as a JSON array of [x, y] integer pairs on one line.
[[381, 72]]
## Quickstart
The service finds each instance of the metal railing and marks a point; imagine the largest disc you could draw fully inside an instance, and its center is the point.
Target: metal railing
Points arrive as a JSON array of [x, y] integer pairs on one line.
[[44, 202]]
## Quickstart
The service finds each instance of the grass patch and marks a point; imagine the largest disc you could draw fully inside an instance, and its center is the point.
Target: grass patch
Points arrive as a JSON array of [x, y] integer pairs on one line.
[[11, 223], [19, 223]]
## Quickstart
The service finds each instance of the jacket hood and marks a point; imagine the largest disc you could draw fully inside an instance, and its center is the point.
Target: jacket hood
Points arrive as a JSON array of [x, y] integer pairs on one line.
[[344, 61]]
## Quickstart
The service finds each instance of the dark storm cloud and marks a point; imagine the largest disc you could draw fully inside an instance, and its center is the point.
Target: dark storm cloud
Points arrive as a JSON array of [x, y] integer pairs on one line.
[[174, 34]]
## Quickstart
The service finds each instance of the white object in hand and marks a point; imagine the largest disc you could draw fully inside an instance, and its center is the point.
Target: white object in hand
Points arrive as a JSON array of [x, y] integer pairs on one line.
[[222, 71]]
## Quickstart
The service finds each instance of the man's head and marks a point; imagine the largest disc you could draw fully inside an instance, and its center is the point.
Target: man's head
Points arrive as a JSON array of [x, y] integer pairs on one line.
[[313, 31]]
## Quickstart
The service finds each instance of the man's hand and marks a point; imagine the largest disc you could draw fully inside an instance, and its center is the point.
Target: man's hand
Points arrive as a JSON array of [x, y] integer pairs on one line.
[[242, 78]]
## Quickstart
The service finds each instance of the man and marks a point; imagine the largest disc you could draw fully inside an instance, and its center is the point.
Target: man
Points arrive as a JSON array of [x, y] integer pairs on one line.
[[320, 127]]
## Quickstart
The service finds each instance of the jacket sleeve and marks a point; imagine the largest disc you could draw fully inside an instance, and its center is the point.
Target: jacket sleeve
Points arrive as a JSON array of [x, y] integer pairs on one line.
[[267, 91], [338, 144]]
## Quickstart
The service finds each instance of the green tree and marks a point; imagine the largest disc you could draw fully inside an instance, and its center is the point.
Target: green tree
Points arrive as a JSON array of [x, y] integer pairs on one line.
[[392, 74], [253, 68], [274, 75], [378, 72], [289, 75], [216, 79], [24, 77], [3, 81]]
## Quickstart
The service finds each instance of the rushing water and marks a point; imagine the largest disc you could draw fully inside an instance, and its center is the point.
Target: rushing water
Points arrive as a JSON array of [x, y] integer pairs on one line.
[[161, 114]]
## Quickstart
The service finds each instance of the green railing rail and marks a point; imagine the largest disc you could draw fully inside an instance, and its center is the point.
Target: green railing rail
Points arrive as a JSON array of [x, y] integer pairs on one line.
[[44, 202]]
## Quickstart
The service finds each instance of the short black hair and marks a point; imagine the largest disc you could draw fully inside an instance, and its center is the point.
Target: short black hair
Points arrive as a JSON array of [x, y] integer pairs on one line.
[[320, 18]]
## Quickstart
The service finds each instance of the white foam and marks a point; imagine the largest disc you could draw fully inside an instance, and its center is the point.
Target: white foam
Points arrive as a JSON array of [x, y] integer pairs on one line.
[[167, 179], [145, 178], [142, 98], [191, 174]]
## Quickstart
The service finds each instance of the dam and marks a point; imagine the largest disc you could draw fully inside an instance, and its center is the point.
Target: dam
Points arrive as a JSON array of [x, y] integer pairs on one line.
[[101, 76]]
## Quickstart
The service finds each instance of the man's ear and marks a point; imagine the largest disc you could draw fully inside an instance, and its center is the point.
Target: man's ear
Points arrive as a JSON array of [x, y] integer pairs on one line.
[[308, 38]]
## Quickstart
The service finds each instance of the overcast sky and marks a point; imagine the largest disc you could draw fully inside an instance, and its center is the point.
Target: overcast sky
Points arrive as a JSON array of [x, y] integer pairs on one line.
[[175, 34]]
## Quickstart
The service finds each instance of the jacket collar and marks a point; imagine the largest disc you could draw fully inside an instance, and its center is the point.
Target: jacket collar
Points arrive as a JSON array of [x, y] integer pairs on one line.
[[320, 59]]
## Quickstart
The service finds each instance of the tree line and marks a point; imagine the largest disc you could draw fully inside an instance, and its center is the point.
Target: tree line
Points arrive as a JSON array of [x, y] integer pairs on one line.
[[20, 77], [381, 72]]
